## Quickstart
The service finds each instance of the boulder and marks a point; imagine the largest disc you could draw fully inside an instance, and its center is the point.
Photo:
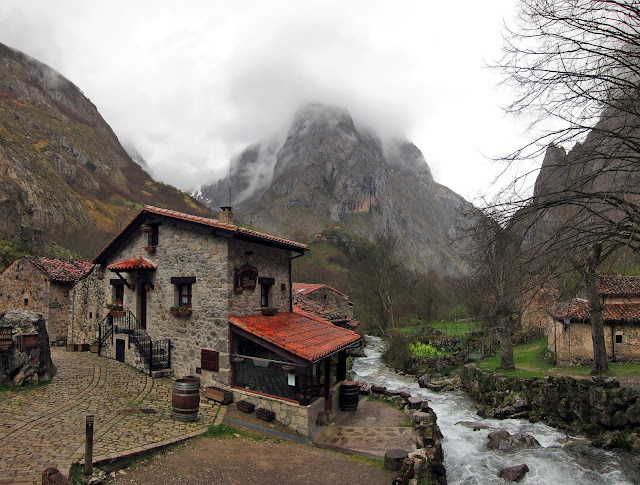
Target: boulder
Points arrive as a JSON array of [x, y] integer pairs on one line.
[[503, 441], [513, 473], [27, 357]]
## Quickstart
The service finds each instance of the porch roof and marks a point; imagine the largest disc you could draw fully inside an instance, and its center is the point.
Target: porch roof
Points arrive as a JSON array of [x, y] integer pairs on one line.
[[302, 334], [132, 264]]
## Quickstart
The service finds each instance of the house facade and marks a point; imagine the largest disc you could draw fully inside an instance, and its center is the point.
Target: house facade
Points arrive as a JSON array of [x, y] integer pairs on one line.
[[325, 301], [43, 285], [569, 328], [205, 297]]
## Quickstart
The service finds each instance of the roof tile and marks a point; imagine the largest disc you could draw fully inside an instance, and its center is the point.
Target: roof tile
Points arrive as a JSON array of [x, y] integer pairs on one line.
[[63, 270], [132, 264], [300, 333], [577, 309]]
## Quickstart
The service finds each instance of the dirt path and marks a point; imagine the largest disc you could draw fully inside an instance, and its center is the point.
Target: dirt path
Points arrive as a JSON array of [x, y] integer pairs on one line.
[[241, 460]]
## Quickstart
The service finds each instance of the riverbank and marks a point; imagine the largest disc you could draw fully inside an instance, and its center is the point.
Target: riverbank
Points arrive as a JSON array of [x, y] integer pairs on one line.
[[598, 408]]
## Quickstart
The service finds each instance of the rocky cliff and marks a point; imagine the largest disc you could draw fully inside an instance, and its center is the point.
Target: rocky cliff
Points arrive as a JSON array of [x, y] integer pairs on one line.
[[67, 182], [329, 173]]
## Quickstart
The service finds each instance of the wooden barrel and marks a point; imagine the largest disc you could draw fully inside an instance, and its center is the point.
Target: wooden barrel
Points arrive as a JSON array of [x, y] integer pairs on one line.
[[349, 394], [186, 399]]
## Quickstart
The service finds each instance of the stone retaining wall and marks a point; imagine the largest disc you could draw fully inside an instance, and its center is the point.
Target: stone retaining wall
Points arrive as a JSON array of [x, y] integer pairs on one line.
[[428, 456], [610, 414]]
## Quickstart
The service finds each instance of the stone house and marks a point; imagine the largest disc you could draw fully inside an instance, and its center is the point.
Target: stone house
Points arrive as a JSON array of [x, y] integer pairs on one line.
[[326, 302], [569, 328], [205, 297], [43, 285]]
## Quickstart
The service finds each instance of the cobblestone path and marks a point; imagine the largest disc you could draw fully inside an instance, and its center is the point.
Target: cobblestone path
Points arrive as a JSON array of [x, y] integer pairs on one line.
[[45, 426]]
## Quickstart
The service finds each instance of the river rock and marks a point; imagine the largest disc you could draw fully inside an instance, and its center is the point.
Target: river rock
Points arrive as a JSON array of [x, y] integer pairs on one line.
[[502, 440], [29, 365], [513, 473]]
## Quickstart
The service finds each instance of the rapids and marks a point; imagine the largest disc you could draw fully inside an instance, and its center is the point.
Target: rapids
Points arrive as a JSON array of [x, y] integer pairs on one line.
[[561, 460]]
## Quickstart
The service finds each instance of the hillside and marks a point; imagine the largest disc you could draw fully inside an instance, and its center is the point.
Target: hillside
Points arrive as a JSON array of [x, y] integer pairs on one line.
[[68, 184], [331, 177]]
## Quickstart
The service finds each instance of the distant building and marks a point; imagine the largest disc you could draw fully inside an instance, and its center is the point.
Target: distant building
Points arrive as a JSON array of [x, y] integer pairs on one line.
[[42, 285], [324, 301], [206, 297], [569, 332]]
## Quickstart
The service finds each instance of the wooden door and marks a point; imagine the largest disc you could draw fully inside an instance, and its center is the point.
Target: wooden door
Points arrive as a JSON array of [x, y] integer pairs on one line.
[[120, 346]]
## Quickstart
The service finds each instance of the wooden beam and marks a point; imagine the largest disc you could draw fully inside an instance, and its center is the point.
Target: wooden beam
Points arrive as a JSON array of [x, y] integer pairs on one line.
[[269, 346], [270, 363]]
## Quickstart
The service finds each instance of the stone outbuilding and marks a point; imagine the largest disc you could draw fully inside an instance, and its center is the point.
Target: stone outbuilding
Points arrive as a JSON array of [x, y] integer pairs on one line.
[[43, 285], [200, 296], [326, 302], [569, 329]]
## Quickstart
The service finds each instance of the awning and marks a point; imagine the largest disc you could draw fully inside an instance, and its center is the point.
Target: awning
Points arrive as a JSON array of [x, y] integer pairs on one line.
[[132, 264], [304, 335]]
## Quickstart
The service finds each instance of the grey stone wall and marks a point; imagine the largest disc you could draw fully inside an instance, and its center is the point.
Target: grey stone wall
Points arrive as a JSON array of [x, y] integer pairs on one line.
[[22, 281], [270, 262], [87, 308], [330, 299]]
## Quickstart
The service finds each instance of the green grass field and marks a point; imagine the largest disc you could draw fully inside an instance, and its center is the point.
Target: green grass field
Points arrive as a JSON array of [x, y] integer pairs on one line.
[[530, 357], [447, 328]]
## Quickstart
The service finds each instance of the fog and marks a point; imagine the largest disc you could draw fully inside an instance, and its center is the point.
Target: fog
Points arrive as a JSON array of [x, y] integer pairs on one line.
[[190, 87]]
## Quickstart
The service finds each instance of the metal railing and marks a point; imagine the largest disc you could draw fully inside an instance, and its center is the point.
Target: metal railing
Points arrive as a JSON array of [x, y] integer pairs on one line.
[[157, 354]]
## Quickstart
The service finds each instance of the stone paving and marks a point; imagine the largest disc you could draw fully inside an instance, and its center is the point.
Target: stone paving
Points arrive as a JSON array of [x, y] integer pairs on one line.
[[45, 426], [372, 429]]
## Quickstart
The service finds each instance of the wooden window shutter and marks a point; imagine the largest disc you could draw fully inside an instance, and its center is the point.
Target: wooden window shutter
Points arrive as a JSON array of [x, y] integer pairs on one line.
[[210, 360]]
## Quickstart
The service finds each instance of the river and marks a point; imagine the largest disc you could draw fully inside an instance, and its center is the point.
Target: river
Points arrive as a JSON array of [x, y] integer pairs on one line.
[[562, 459]]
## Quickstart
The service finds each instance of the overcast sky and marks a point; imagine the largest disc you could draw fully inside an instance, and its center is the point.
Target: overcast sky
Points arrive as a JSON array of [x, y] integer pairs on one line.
[[189, 84]]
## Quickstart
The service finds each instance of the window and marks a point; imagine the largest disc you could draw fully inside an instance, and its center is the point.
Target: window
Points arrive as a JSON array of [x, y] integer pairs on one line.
[[184, 295], [26, 302], [619, 338], [153, 236], [265, 290], [184, 290]]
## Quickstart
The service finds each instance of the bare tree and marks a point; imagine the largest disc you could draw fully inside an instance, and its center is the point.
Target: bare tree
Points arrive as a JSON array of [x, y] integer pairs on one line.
[[577, 63], [497, 288]]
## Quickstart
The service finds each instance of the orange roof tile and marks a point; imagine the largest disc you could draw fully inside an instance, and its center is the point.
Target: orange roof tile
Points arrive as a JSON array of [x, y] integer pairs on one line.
[[132, 264], [64, 270], [577, 310], [619, 285], [301, 334]]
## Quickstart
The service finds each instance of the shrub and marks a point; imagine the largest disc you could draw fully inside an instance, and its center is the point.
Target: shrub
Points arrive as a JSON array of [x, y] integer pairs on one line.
[[420, 349]]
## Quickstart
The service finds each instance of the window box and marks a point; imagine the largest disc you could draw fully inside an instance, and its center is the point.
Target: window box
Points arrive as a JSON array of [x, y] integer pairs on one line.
[[146, 229], [182, 311], [117, 313], [150, 249], [269, 311]]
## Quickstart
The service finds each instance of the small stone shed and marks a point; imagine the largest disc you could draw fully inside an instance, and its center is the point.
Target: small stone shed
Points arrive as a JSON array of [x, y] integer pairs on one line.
[[326, 302], [43, 285], [200, 296], [569, 329]]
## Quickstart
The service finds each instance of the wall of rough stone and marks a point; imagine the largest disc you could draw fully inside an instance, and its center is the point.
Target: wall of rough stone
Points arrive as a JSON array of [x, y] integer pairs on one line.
[[573, 344], [301, 419], [271, 263], [22, 281], [593, 406], [88, 307], [331, 299]]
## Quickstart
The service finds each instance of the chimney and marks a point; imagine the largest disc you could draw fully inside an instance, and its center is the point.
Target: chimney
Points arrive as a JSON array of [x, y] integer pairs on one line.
[[226, 215]]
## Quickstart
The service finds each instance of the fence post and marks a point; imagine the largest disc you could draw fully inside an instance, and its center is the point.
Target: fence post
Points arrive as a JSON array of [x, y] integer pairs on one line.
[[88, 448], [150, 356]]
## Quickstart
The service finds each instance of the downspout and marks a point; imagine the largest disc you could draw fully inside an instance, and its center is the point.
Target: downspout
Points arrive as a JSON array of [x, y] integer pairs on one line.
[[613, 342], [291, 282]]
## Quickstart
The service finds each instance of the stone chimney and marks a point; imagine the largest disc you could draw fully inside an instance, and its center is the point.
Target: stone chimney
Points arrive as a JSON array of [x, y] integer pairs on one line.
[[226, 215]]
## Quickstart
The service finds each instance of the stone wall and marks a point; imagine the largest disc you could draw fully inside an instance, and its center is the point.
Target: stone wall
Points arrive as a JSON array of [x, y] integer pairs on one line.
[[271, 263], [600, 408], [23, 286], [572, 344], [88, 307], [301, 419], [428, 455], [330, 299]]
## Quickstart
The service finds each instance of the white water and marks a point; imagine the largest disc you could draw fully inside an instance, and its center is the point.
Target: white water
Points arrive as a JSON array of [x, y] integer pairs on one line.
[[469, 461]]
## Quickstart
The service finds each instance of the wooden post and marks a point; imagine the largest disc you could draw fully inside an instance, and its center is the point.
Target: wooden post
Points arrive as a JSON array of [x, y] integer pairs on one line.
[[88, 446]]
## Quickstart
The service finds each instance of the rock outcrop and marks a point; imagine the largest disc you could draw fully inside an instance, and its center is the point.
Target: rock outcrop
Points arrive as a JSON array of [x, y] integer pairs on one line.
[[28, 357], [329, 173]]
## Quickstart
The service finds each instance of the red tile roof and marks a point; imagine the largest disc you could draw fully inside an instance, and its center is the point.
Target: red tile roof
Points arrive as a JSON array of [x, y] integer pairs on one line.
[[132, 264], [618, 285], [307, 288], [63, 270], [248, 233], [301, 334], [577, 310]]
